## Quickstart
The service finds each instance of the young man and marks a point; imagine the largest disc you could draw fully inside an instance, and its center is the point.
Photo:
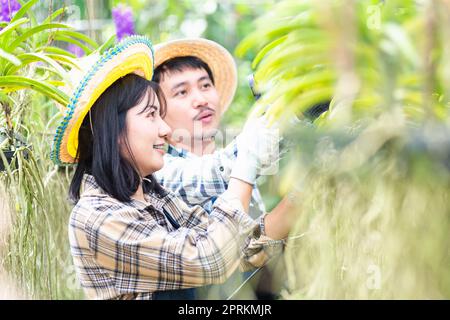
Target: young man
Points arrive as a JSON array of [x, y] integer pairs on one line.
[[199, 80]]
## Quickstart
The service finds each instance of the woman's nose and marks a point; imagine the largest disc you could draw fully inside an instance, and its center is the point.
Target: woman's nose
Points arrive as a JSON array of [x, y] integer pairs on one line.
[[164, 129]]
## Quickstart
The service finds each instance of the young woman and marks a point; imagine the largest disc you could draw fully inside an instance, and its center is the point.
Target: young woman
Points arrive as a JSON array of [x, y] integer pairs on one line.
[[130, 238]]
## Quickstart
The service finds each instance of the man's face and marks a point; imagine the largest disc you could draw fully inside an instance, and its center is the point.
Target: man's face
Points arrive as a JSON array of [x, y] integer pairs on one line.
[[193, 110]]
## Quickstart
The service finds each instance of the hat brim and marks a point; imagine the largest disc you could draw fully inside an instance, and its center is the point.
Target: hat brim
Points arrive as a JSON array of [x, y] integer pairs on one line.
[[132, 55], [219, 60]]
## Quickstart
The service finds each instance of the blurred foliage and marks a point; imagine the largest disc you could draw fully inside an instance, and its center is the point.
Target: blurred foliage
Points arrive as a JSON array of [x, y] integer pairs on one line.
[[370, 171], [371, 226], [368, 56], [32, 59]]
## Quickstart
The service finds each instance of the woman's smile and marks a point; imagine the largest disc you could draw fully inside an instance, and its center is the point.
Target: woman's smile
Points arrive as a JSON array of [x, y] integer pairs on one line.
[[161, 148]]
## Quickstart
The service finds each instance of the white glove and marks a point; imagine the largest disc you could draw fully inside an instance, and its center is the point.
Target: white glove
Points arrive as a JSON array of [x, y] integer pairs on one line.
[[257, 149]]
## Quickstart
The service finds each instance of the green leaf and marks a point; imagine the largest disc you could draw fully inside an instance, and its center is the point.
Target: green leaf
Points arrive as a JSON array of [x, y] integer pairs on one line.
[[107, 44], [30, 32], [54, 15], [261, 54], [80, 36], [11, 26], [23, 10], [249, 42], [42, 69], [50, 49], [66, 60], [312, 80], [80, 44], [27, 58], [18, 82], [303, 101], [280, 65], [11, 58]]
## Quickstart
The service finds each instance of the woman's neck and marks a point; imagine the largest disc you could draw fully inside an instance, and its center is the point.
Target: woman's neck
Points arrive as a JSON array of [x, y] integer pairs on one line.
[[139, 195]]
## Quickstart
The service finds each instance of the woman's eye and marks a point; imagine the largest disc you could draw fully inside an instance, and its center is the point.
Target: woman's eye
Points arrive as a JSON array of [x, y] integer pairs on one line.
[[207, 85], [151, 114]]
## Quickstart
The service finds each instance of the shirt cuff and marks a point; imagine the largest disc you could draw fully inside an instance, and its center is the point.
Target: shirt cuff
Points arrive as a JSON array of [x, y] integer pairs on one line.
[[262, 224]]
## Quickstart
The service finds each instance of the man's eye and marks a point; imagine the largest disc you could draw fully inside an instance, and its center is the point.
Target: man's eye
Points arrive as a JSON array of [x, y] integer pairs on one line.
[[180, 93]]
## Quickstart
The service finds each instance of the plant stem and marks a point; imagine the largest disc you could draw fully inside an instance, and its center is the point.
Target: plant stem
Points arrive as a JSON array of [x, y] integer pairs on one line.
[[9, 124]]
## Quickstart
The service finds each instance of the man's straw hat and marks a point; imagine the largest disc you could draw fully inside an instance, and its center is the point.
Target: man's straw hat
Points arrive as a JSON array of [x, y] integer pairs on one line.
[[214, 55]]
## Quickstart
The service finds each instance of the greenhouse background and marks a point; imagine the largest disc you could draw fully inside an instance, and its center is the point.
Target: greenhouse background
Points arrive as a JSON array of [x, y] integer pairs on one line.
[[372, 174]]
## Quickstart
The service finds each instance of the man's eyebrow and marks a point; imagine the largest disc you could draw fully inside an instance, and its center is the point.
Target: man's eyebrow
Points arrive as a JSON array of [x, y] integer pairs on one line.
[[204, 78], [183, 83], [180, 84]]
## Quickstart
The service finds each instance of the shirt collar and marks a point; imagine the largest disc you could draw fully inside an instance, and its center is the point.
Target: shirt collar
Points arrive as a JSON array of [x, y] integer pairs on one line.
[[179, 152], [90, 187]]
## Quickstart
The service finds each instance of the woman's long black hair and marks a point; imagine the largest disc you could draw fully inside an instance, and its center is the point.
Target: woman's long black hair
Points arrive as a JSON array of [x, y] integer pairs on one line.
[[99, 135]]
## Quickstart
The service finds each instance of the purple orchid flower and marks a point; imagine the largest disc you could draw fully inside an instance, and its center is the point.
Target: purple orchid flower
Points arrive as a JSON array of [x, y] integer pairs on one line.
[[76, 50], [123, 19], [7, 9]]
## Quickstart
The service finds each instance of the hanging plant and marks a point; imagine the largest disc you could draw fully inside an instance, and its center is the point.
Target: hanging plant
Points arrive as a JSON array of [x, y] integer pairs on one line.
[[30, 61], [33, 68]]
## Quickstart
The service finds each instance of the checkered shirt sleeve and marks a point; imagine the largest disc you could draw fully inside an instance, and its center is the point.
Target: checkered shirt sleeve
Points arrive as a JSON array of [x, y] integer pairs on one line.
[[129, 250]]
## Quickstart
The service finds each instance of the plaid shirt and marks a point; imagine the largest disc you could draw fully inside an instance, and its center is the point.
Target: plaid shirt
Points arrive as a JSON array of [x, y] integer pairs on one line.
[[130, 250], [200, 180]]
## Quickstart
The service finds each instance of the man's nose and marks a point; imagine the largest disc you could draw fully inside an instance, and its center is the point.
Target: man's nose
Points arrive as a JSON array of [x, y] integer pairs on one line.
[[199, 99]]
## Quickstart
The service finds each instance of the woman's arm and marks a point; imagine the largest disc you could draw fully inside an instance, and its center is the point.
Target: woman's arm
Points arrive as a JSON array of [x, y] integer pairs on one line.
[[152, 257], [279, 221]]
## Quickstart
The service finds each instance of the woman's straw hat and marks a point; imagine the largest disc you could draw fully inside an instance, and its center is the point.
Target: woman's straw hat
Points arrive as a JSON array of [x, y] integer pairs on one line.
[[95, 74], [214, 55]]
